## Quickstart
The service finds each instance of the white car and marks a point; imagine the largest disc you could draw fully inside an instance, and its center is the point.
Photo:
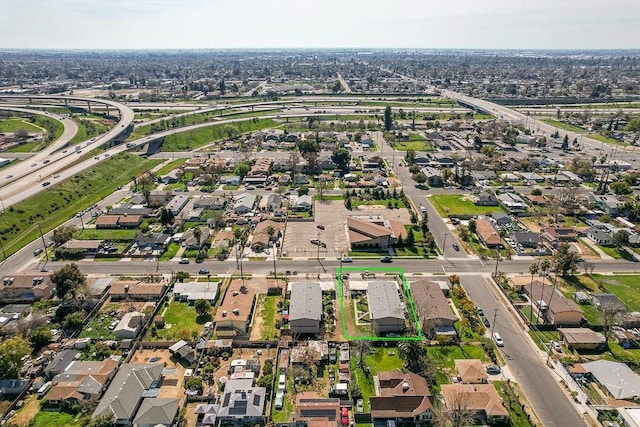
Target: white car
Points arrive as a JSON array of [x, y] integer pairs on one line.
[[279, 400], [556, 346], [347, 259], [498, 339]]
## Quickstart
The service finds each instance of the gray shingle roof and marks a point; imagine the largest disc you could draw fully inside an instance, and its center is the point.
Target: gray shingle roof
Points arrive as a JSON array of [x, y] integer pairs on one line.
[[384, 300], [306, 301], [154, 411]]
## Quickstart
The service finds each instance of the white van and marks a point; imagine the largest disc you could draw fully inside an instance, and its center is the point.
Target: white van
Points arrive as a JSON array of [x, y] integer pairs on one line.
[[282, 382], [498, 339]]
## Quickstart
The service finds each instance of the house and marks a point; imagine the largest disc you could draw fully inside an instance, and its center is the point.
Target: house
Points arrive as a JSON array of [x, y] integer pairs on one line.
[[184, 351], [483, 399], [385, 307], [118, 221], [87, 247], [241, 402], [157, 411], [207, 414], [434, 176], [325, 161], [191, 242], [125, 393], [261, 238], [135, 290], [317, 411], [317, 350], [26, 288], [487, 234], [305, 309], [230, 180], [621, 382], [608, 203], [135, 209], [555, 235], [471, 371], [300, 203], [401, 396], [243, 203], [371, 232], [177, 203], [215, 203], [193, 291], [153, 243], [581, 338], [484, 198], [501, 219], [129, 326], [527, 239], [272, 202], [556, 309], [600, 236], [513, 203], [434, 312], [531, 177], [60, 362], [82, 381], [443, 160], [234, 314], [172, 177]]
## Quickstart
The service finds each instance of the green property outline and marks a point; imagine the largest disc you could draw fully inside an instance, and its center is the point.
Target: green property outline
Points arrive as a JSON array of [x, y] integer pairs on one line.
[[407, 293]]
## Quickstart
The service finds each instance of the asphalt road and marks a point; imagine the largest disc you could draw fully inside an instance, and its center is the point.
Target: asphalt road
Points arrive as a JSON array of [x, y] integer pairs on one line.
[[544, 393]]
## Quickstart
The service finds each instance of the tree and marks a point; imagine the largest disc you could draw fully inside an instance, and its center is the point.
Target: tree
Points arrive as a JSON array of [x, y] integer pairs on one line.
[[62, 234], [194, 383], [566, 260], [472, 226], [73, 321], [419, 177], [533, 269], [620, 238], [410, 157], [11, 353], [202, 307], [341, 158], [565, 143], [242, 169], [620, 187], [197, 234], [413, 354], [303, 190], [411, 239], [321, 187], [166, 217], [309, 150], [69, 282], [388, 118], [102, 421], [40, 336], [455, 412], [362, 349], [536, 192]]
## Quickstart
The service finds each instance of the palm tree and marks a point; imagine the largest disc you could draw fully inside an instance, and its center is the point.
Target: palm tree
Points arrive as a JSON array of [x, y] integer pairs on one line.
[[197, 233], [413, 353], [556, 267], [545, 265], [362, 348], [533, 269]]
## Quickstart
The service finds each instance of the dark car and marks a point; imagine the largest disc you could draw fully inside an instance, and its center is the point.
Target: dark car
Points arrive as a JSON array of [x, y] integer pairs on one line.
[[320, 226], [480, 311], [456, 247], [203, 271], [386, 259], [486, 322]]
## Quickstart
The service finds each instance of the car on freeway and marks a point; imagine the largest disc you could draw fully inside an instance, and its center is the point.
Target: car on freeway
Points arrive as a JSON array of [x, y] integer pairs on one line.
[[386, 259], [57, 175], [44, 184], [38, 251], [34, 164], [46, 161], [183, 261], [203, 271]]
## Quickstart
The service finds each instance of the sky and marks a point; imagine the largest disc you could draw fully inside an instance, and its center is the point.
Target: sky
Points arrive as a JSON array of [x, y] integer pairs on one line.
[[215, 24]]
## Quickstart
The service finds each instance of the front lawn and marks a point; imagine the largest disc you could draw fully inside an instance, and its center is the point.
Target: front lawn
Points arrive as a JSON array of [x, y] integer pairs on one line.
[[456, 205], [444, 356], [617, 253], [416, 145], [170, 252], [106, 234]]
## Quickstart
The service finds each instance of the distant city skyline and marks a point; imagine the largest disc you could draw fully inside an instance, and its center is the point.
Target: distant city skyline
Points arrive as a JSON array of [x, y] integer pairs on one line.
[[214, 24]]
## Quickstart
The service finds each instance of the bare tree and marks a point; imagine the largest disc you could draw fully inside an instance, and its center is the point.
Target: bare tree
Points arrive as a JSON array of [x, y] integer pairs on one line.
[[455, 412], [611, 315]]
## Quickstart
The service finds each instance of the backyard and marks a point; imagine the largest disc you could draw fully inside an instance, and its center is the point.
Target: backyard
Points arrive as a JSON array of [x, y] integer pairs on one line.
[[267, 307], [454, 205], [380, 359], [625, 287], [181, 322]]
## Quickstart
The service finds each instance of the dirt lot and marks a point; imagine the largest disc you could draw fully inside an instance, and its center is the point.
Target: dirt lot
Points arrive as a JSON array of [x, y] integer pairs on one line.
[[172, 383]]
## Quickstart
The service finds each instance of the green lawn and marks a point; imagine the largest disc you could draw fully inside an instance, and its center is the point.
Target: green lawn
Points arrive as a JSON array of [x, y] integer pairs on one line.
[[192, 139], [564, 126], [181, 322], [171, 251], [420, 145], [511, 401], [625, 287], [444, 356], [617, 253], [52, 207], [540, 337], [98, 328], [170, 166], [15, 124], [456, 205], [267, 307], [56, 419], [87, 129], [105, 234]]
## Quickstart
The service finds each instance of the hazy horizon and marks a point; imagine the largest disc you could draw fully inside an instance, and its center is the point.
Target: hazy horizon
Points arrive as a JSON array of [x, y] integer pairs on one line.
[[313, 24]]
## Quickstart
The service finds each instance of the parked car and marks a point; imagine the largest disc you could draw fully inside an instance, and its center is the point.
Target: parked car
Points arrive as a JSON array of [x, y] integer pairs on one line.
[[498, 339], [320, 226], [456, 247], [480, 311], [183, 261], [493, 369], [279, 400], [38, 251], [282, 382], [556, 346], [360, 406], [386, 259], [486, 322], [344, 412]]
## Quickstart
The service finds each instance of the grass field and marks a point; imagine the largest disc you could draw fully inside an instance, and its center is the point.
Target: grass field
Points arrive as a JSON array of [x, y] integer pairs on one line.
[[380, 359], [197, 138], [419, 145], [564, 126], [95, 234], [170, 166], [56, 419], [87, 129], [15, 124], [52, 207], [455, 205], [625, 287], [181, 321], [267, 306]]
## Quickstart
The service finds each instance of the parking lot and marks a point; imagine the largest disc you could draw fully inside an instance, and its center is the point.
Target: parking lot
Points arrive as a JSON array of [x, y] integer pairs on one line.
[[332, 216]]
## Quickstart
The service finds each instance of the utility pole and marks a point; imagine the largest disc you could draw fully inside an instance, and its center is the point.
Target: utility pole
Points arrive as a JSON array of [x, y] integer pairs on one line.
[[44, 244], [444, 246], [493, 325], [495, 274]]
